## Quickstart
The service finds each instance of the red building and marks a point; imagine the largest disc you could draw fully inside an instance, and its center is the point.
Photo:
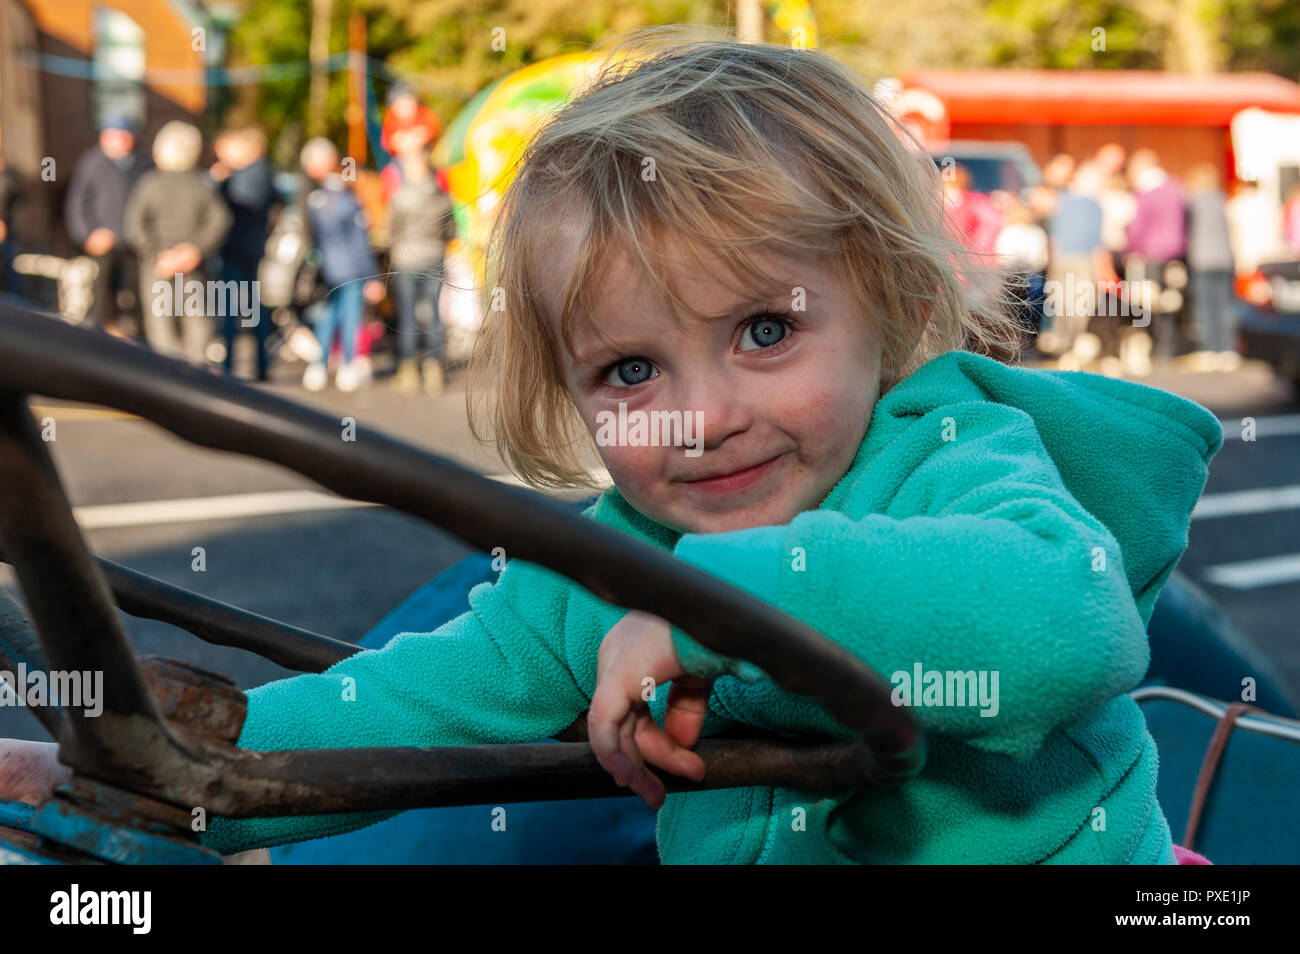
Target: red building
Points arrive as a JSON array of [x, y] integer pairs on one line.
[[1185, 118]]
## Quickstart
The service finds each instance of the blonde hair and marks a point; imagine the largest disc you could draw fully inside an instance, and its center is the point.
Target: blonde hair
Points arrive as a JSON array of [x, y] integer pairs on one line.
[[177, 146], [752, 145], [318, 149]]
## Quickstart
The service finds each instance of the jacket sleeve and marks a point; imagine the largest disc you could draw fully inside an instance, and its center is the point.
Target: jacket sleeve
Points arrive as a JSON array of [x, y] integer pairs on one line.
[[74, 205], [136, 220], [999, 571], [213, 222], [358, 226], [495, 674]]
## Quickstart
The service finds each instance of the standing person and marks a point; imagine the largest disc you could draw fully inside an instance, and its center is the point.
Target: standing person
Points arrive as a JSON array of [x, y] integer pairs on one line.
[[1118, 206], [1074, 232], [1116, 201], [348, 266], [420, 226], [1157, 239], [1022, 248], [1209, 260], [94, 212], [977, 220], [244, 181], [175, 220], [408, 125]]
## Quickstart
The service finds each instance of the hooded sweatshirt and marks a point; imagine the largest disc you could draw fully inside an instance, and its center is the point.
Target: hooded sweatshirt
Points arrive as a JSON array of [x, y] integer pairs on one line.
[[1009, 523]]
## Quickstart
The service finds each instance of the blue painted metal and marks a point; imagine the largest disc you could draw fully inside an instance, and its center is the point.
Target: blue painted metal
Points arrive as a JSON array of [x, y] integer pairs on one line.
[[74, 827], [16, 814]]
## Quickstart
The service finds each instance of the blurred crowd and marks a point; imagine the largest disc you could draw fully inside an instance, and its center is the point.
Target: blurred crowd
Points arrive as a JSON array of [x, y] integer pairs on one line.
[[341, 267], [186, 257], [1098, 231]]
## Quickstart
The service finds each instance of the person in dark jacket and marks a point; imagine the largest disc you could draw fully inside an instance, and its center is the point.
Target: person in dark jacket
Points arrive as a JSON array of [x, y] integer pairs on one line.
[[94, 213], [243, 178], [175, 220], [420, 225], [340, 230]]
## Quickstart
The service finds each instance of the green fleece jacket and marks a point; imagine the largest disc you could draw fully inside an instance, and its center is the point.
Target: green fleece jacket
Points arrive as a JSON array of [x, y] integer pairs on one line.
[[1009, 523]]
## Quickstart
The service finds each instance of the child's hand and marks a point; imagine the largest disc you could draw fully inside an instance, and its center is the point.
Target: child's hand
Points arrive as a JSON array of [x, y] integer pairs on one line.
[[30, 771], [619, 726]]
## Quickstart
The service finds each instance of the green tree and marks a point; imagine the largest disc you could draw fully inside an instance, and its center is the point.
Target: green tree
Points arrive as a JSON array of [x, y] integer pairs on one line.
[[446, 47]]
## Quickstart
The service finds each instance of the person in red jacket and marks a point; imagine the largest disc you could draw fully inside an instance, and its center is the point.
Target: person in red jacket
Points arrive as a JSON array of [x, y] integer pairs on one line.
[[977, 220], [409, 126]]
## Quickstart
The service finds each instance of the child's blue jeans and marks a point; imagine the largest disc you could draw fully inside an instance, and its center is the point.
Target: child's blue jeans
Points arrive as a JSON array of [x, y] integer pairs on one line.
[[342, 314]]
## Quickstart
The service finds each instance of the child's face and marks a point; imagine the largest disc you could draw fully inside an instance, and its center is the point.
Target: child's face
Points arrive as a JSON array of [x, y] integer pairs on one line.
[[783, 398]]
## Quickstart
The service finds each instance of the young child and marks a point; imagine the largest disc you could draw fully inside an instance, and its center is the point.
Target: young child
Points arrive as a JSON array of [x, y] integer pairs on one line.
[[738, 231]]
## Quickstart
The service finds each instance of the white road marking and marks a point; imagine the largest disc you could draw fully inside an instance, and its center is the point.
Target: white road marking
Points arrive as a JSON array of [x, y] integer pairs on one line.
[[192, 509], [1236, 502], [228, 506], [1249, 574], [61, 413]]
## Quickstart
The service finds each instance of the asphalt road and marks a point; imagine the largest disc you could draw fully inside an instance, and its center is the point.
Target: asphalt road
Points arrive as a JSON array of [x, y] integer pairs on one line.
[[338, 571]]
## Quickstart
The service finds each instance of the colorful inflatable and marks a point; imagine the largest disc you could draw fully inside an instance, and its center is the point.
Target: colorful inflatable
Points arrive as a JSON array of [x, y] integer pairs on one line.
[[482, 145]]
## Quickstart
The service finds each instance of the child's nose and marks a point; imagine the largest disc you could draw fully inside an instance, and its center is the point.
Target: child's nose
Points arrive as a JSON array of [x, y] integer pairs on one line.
[[720, 409]]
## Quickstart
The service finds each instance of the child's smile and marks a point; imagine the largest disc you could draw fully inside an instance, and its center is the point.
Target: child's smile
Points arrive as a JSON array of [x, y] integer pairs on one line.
[[783, 389]]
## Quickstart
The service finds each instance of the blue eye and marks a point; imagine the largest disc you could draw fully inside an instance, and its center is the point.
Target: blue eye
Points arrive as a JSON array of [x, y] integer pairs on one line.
[[764, 333], [630, 372]]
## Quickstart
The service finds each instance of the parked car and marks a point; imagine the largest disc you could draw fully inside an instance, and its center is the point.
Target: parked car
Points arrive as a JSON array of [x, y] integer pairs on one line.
[[993, 165], [1269, 328]]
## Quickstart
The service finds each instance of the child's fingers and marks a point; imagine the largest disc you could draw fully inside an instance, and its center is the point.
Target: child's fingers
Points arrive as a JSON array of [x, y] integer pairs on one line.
[[609, 708], [643, 782], [660, 749], [688, 704]]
